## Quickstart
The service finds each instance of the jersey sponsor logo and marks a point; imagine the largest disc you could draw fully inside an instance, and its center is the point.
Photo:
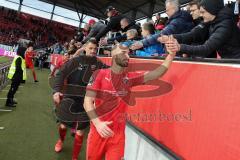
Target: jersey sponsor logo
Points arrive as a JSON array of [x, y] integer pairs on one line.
[[108, 79], [121, 93]]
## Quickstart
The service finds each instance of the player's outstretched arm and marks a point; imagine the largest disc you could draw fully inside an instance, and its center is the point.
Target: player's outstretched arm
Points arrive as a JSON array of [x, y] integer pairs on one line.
[[101, 126], [161, 70]]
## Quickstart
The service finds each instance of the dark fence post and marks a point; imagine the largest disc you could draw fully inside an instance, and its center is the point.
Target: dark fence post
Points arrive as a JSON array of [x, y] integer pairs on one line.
[[4, 68]]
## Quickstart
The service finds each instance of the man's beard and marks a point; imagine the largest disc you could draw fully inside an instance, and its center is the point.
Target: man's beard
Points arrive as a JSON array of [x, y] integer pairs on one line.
[[121, 62]]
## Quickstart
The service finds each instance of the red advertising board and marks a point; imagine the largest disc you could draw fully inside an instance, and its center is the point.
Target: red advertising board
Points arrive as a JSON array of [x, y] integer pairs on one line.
[[199, 117]]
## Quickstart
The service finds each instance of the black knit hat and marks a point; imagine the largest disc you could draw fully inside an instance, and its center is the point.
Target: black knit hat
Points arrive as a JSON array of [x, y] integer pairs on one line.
[[212, 6]]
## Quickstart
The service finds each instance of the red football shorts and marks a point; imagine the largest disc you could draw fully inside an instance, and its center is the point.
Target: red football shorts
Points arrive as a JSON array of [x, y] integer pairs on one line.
[[110, 148], [29, 65]]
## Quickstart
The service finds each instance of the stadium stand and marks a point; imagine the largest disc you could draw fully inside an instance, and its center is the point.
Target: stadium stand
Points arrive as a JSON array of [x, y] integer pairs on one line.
[[44, 33], [167, 121]]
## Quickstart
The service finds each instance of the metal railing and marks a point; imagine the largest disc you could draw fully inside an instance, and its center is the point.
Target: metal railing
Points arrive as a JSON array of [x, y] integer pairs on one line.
[[4, 67]]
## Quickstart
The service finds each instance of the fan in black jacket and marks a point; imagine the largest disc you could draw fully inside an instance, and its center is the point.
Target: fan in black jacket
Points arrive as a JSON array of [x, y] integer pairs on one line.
[[235, 7], [221, 34], [126, 24], [113, 24]]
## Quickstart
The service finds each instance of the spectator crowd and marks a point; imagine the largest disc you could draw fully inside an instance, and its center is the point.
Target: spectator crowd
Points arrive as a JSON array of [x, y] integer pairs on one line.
[[42, 32], [205, 29]]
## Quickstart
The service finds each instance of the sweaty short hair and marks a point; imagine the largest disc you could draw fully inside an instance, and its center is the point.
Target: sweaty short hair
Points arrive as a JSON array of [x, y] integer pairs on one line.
[[117, 49], [30, 44]]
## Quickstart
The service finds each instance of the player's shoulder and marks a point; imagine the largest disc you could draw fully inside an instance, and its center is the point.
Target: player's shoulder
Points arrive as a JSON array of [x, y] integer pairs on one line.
[[98, 76]]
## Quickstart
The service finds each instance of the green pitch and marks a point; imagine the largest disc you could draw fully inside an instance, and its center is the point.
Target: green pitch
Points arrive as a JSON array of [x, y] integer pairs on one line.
[[30, 130], [4, 59]]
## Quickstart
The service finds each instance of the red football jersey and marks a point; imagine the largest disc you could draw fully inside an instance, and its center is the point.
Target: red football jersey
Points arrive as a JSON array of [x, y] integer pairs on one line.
[[113, 94]]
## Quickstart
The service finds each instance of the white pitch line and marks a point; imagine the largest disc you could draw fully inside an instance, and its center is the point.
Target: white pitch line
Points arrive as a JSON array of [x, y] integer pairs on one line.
[[4, 90], [5, 110], [1, 128], [6, 98], [10, 86]]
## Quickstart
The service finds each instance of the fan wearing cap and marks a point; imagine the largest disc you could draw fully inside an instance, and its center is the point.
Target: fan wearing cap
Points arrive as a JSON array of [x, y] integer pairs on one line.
[[96, 27], [222, 35], [113, 24]]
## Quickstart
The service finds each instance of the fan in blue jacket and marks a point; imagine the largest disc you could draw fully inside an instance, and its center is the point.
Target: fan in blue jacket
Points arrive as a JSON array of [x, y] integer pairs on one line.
[[179, 22], [148, 29]]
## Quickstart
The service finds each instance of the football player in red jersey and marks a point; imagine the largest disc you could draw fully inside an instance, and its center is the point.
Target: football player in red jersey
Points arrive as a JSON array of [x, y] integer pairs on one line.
[[29, 55], [106, 99], [75, 72]]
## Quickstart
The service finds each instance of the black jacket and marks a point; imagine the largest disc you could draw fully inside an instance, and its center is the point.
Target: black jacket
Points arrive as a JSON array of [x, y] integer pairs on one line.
[[180, 22], [222, 35], [200, 28], [232, 7], [113, 25], [123, 37], [97, 28], [133, 25], [76, 74], [18, 75], [197, 21]]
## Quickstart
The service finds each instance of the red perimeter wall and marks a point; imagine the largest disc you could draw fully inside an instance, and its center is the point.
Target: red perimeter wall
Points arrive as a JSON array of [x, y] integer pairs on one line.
[[199, 119]]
